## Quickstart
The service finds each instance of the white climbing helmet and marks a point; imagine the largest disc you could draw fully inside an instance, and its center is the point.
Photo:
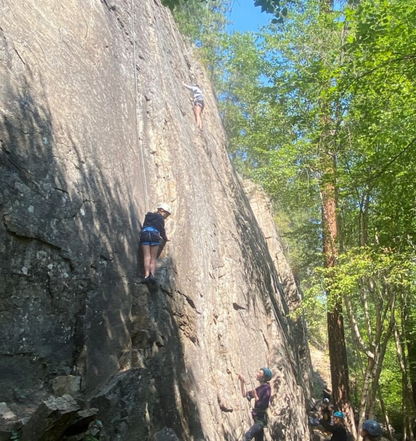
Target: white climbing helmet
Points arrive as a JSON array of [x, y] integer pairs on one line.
[[164, 207]]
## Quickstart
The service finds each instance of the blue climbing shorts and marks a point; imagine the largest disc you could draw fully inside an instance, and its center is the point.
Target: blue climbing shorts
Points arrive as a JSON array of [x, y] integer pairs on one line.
[[150, 236]]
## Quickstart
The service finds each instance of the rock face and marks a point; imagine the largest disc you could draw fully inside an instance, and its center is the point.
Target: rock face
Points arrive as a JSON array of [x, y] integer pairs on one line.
[[95, 130], [284, 279]]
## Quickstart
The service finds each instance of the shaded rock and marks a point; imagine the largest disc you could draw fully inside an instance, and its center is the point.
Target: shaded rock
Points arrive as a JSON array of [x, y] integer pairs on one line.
[[141, 338], [95, 431], [166, 434], [50, 420], [5, 434], [5, 412], [131, 358], [9, 422], [69, 384], [125, 403], [81, 422]]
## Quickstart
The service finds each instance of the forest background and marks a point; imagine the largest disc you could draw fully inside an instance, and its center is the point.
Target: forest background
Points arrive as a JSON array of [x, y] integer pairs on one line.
[[320, 110]]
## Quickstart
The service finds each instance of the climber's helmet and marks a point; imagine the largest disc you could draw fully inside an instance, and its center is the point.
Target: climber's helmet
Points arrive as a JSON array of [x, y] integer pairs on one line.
[[267, 373], [372, 427], [339, 414], [326, 401], [164, 207]]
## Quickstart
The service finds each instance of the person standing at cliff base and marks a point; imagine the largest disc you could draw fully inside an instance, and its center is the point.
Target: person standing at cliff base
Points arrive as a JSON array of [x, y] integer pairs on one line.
[[370, 430], [326, 411], [338, 430], [152, 232], [198, 103], [261, 395]]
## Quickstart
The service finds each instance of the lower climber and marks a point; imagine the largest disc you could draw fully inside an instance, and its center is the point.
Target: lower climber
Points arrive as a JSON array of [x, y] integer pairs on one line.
[[261, 395], [198, 103], [152, 232]]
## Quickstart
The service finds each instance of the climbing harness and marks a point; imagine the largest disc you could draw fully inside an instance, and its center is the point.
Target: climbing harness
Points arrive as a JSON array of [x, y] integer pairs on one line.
[[136, 104]]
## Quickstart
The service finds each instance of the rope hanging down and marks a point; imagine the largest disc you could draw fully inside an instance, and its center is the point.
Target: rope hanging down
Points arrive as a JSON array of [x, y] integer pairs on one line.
[[133, 31]]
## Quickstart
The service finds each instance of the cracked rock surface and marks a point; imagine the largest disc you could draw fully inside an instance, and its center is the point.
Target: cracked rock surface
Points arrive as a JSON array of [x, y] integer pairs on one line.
[[95, 130]]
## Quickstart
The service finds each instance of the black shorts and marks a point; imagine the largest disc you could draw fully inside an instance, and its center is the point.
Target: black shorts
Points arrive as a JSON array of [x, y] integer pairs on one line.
[[149, 238], [199, 103]]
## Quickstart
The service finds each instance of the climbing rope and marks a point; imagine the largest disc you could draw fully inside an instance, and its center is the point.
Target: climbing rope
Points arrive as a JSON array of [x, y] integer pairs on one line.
[[248, 379], [182, 49], [133, 30]]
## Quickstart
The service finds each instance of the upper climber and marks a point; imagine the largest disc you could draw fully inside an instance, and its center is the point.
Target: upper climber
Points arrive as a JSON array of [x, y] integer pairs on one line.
[[198, 103], [152, 232]]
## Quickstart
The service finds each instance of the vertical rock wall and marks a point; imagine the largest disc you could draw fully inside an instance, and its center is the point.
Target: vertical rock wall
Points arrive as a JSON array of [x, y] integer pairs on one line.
[[285, 281], [96, 129]]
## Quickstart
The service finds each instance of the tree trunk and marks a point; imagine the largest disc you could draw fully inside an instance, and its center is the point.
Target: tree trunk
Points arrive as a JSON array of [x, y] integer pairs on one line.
[[385, 415], [407, 402], [336, 337], [409, 331]]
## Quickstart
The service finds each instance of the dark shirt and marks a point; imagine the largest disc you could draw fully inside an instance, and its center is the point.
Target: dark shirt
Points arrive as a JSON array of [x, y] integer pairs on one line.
[[260, 405], [339, 432], [156, 220], [326, 414]]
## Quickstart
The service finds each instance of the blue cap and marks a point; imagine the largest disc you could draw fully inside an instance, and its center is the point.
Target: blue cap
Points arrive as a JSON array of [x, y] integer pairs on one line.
[[339, 414]]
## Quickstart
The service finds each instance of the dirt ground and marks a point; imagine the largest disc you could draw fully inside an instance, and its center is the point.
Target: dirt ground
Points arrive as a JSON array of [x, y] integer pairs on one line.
[[321, 370]]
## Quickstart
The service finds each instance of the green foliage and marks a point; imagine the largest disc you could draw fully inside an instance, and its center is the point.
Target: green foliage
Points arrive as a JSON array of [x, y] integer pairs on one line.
[[203, 24], [365, 268], [170, 3], [274, 7]]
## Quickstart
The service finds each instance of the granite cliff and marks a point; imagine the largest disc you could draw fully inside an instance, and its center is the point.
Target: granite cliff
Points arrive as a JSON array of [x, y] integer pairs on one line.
[[95, 130]]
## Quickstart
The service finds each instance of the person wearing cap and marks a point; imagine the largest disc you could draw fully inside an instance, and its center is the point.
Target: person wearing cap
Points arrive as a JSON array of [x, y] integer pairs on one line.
[[370, 430], [261, 395], [326, 411], [153, 231], [198, 103], [338, 430]]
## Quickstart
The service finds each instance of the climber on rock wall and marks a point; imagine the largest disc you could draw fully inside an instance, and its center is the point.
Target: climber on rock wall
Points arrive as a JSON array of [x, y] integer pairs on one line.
[[261, 395], [198, 103], [152, 232]]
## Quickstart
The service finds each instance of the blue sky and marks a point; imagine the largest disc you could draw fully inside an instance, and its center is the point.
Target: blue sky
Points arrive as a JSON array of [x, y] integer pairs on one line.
[[247, 17]]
